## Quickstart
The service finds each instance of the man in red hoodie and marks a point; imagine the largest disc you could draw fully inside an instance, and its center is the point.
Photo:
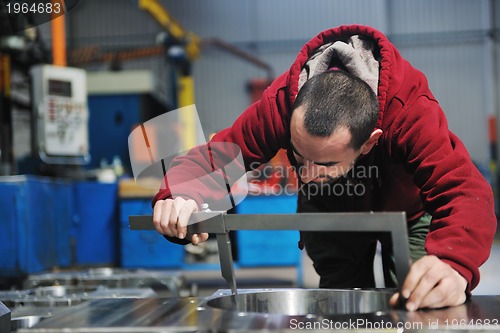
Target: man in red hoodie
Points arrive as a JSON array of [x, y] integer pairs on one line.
[[364, 120]]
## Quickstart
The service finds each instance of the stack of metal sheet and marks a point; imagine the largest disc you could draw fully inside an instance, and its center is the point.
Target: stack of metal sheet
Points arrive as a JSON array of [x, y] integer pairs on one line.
[[34, 305], [173, 282], [46, 295]]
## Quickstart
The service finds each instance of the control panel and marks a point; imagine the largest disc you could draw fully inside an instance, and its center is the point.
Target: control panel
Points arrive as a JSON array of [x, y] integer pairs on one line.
[[61, 114]]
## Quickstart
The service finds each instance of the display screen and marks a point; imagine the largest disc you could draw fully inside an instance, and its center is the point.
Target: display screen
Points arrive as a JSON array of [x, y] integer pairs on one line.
[[60, 88]]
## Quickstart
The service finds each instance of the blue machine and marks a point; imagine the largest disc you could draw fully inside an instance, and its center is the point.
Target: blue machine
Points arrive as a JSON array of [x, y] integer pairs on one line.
[[35, 219], [112, 118], [49, 223], [268, 247], [145, 248], [95, 229]]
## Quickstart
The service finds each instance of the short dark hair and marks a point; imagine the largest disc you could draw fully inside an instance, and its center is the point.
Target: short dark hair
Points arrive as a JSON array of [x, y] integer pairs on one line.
[[338, 98]]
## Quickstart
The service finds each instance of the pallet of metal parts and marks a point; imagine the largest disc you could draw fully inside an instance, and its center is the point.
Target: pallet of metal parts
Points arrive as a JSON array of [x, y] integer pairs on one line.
[[105, 293], [94, 277], [49, 279], [173, 282], [66, 296], [53, 296]]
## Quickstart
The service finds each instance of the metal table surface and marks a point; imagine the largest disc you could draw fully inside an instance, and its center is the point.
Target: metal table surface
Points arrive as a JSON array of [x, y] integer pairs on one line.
[[480, 313]]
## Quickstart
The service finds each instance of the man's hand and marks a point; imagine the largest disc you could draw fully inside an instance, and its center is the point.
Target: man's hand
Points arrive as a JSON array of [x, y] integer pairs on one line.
[[171, 216], [431, 283]]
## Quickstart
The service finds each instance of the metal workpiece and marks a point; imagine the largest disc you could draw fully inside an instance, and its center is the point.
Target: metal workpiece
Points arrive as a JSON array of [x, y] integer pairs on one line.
[[306, 302], [313, 310], [5, 318], [50, 297], [28, 316], [93, 277], [220, 223], [115, 278], [48, 294], [35, 305], [24, 322], [67, 296]]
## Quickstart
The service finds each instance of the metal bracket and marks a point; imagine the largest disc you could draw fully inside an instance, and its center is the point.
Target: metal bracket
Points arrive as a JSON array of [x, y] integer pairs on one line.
[[5, 318], [221, 223]]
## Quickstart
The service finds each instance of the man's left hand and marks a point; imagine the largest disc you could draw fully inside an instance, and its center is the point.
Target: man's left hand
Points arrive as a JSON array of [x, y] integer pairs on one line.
[[431, 283]]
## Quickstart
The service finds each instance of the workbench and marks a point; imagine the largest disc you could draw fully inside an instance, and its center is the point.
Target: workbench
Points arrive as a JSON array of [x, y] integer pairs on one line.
[[200, 315]]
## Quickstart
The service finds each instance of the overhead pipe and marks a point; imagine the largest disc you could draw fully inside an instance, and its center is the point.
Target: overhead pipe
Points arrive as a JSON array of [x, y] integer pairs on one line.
[[238, 52]]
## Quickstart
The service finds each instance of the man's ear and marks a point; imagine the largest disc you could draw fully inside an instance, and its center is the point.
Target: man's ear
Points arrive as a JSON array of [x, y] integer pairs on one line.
[[372, 141]]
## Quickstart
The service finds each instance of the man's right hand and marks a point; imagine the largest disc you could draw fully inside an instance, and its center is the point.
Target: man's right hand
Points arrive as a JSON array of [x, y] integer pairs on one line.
[[171, 217]]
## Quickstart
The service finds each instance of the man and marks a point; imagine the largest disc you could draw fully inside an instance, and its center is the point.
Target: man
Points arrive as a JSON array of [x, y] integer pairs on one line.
[[353, 114]]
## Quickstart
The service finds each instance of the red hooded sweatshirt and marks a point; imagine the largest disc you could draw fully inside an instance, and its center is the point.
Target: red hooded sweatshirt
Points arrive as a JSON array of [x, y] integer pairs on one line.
[[426, 168]]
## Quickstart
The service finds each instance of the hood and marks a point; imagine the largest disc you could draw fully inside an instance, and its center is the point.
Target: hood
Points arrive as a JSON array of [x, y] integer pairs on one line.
[[361, 50], [357, 55]]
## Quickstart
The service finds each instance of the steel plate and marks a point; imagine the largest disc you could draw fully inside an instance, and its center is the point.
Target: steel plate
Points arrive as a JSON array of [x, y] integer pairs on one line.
[[301, 302]]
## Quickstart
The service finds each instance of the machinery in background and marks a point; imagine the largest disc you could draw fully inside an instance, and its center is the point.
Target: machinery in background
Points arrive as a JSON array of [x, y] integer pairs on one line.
[[18, 52], [44, 295], [60, 122], [52, 131], [45, 104], [182, 49]]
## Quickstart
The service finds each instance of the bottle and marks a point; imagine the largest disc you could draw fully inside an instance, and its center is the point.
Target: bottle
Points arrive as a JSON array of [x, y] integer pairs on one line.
[[117, 166]]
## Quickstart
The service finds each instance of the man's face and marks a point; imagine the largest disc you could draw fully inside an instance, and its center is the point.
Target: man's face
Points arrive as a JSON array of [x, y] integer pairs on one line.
[[321, 159]]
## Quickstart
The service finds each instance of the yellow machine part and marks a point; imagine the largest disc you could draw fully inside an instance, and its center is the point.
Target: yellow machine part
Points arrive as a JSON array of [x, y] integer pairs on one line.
[[187, 117], [185, 84], [163, 17]]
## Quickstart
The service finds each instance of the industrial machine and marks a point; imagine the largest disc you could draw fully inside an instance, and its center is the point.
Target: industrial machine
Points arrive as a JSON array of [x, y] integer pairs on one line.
[[61, 114]]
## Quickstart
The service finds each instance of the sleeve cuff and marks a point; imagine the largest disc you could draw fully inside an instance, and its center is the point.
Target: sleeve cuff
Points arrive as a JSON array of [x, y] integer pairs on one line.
[[466, 273]]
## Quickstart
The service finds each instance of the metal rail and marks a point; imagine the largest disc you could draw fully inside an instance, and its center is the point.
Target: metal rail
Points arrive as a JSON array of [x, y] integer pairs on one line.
[[221, 223]]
